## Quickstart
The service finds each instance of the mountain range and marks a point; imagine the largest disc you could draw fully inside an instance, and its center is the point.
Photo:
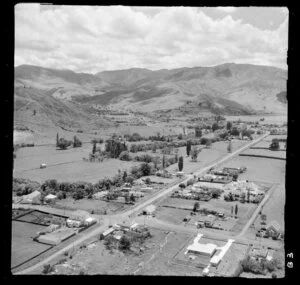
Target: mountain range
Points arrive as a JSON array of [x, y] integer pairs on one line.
[[63, 95]]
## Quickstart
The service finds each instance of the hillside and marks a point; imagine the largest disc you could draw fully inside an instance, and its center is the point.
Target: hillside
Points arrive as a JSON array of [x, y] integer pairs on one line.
[[225, 89], [66, 82], [38, 110]]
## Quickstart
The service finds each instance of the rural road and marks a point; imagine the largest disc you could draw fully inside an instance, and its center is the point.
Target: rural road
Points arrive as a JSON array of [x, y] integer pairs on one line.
[[159, 195]]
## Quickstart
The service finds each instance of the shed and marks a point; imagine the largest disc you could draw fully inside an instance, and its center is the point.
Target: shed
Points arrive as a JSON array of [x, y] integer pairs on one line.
[[50, 198], [43, 165], [74, 223], [90, 221]]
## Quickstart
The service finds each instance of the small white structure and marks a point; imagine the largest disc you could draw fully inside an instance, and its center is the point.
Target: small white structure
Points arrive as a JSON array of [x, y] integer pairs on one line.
[[74, 223], [43, 165], [107, 232], [50, 198], [90, 221]]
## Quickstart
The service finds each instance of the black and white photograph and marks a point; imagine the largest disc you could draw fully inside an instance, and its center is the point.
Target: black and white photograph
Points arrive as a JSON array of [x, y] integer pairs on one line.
[[149, 140]]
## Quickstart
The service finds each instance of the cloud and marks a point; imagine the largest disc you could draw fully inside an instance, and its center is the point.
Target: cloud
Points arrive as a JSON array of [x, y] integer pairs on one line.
[[91, 39], [227, 9]]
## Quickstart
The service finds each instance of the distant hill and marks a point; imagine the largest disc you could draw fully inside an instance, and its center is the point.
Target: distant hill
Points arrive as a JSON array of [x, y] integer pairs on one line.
[[227, 89]]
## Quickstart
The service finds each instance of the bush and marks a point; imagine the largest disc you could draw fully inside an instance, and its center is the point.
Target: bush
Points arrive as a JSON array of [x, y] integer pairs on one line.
[[144, 158], [125, 156], [79, 194], [135, 137], [251, 265], [190, 182], [145, 169], [182, 185], [274, 145], [63, 144], [234, 131], [48, 269], [124, 243]]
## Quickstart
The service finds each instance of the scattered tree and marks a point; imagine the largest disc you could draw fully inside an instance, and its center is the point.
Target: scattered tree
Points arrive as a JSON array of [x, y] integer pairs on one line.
[[198, 132], [188, 147], [196, 207], [236, 210], [94, 147], [274, 145], [194, 153], [229, 147], [124, 243], [180, 163], [214, 126], [64, 144], [164, 161], [228, 126]]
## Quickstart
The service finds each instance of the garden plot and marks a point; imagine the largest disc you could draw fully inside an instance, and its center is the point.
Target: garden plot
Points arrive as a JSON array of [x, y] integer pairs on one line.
[[22, 245]]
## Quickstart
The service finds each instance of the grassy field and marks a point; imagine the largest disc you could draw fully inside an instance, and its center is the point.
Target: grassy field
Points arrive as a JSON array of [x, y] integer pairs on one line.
[[265, 152], [98, 206], [269, 119], [22, 245], [77, 171], [176, 215], [259, 169], [206, 156]]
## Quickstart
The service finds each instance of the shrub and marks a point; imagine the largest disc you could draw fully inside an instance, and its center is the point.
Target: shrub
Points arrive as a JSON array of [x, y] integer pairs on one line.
[[79, 194], [190, 182], [135, 137], [124, 243], [145, 169], [234, 131], [274, 145], [63, 144], [48, 269], [182, 185], [214, 126], [125, 156]]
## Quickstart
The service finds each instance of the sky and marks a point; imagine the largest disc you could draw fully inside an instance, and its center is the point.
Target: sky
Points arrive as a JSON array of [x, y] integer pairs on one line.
[[96, 38]]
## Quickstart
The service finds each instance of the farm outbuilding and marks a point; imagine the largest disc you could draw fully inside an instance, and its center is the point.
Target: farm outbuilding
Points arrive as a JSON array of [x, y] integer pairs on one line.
[[50, 198]]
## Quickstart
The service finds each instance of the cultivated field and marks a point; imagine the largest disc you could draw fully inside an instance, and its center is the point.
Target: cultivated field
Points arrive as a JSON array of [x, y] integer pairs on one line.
[[22, 245]]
